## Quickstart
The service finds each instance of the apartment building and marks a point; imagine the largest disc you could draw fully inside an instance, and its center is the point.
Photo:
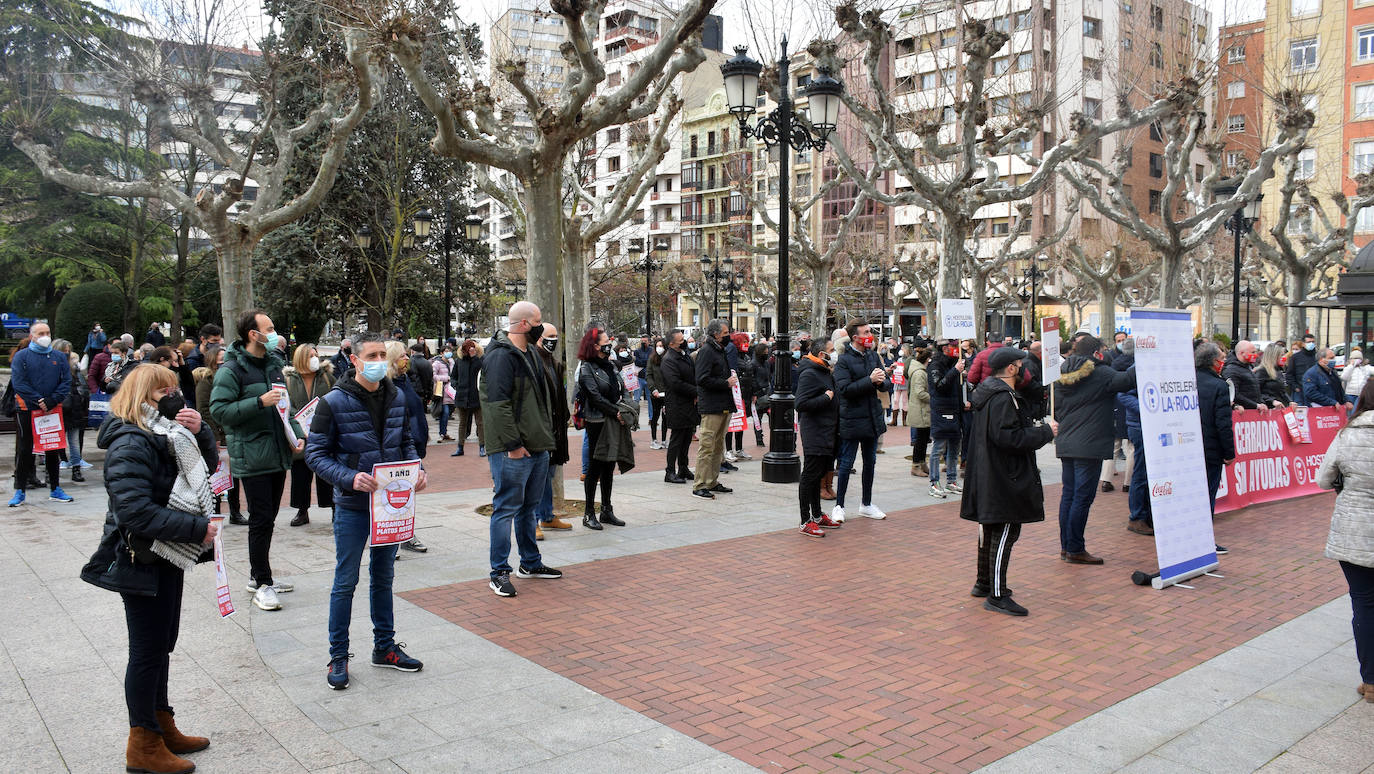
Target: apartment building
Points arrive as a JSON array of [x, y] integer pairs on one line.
[[1240, 93]]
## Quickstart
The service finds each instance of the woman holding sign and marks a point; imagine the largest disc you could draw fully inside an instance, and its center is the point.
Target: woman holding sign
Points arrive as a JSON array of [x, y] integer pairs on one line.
[[307, 379], [157, 453], [598, 387]]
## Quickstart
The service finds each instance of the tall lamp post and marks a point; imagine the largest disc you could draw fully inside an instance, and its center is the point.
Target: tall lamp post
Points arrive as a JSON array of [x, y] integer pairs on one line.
[[648, 264], [1249, 295], [1240, 222], [733, 286], [716, 270], [883, 280], [1034, 273], [419, 228], [777, 130]]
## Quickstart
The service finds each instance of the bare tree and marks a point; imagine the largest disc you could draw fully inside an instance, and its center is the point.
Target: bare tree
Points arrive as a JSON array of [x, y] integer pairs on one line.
[[1108, 270], [981, 268]]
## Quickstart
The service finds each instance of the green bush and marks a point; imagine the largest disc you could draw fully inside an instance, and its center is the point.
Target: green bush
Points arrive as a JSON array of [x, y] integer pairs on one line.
[[1223, 340], [85, 305]]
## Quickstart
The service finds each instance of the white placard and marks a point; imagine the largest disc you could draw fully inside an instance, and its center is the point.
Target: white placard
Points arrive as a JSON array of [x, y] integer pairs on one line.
[[1051, 360], [1166, 384], [956, 318]]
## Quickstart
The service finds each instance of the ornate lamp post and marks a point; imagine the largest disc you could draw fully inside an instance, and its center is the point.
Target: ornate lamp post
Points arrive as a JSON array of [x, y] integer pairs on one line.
[[1034, 274], [716, 270], [883, 280], [778, 130], [1240, 222], [648, 264], [733, 286]]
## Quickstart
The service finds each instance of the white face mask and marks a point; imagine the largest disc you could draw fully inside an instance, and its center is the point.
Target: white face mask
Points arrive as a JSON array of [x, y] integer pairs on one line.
[[659, 350], [623, 353], [314, 364], [44, 341]]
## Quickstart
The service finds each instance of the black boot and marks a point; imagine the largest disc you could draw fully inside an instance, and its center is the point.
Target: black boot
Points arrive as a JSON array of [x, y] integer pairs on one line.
[[302, 517], [758, 437], [589, 519], [77, 476], [608, 516], [236, 517], [670, 478]]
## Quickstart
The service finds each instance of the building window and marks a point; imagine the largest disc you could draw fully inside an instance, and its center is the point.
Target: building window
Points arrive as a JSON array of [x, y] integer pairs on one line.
[[1091, 228], [613, 164], [1364, 221], [1362, 155], [1364, 45], [1001, 227], [1001, 106], [1126, 42], [1092, 108], [1306, 7], [1025, 61], [1307, 163], [1364, 100], [1092, 69], [1234, 159], [1155, 198], [1235, 124], [1235, 89], [1023, 20], [1157, 17], [1156, 132], [1001, 65], [1236, 53], [1156, 55], [1092, 28], [1303, 54], [1156, 165]]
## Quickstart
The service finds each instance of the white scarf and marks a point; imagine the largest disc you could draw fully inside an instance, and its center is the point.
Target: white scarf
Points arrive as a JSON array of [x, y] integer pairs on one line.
[[191, 490]]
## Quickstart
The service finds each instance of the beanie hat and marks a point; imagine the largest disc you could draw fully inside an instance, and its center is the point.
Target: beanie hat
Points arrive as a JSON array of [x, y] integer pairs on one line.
[[839, 338], [1002, 357]]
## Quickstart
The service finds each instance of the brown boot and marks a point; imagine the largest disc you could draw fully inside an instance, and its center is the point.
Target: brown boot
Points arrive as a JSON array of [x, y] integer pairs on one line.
[[828, 485], [178, 742], [147, 753], [538, 532]]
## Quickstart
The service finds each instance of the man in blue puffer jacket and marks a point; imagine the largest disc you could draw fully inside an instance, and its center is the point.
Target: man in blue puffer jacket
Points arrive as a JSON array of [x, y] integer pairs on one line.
[[358, 424]]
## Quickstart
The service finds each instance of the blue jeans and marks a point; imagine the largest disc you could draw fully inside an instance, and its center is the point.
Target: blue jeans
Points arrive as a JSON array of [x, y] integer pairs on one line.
[[1139, 496], [351, 531], [948, 449], [1214, 471], [586, 451], [1080, 489], [545, 511], [519, 486], [443, 418], [849, 448], [74, 439]]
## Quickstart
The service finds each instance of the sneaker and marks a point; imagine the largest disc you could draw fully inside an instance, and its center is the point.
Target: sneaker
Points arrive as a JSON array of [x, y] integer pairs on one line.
[[812, 529], [538, 571], [281, 587], [18, 498], [502, 586], [78, 477], [266, 598], [654, 444], [954, 488], [1223, 550], [729, 456], [86, 465], [395, 658], [827, 523], [704, 494], [64, 465], [1004, 605], [936, 491], [871, 512], [723, 489], [59, 496], [338, 673], [415, 545], [837, 514], [727, 467], [742, 456]]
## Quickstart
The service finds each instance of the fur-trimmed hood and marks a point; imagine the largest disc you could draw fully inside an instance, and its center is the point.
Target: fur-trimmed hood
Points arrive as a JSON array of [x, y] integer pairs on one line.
[[1076, 369]]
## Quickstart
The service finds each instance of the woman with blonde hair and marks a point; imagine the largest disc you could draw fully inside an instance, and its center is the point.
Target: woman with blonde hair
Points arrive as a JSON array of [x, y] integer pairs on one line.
[[308, 378], [158, 454]]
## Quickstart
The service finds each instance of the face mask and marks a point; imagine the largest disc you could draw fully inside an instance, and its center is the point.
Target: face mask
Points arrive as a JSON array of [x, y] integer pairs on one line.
[[796, 354], [623, 353], [659, 350], [314, 364], [169, 405], [606, 350], [864, 342], [1283, 361], [116, 358], [1309, 346], [1252, 357], [347, 350], [1218, 365], [272, 340], [691, 345], [1118, 346], [43, 342], [535, 332], [374, 370], [550, 345], [402, 366], [448, 355]]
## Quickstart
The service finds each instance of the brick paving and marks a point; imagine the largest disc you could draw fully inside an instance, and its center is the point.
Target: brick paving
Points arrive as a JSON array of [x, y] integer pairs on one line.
[[864, 652], [452, 474]]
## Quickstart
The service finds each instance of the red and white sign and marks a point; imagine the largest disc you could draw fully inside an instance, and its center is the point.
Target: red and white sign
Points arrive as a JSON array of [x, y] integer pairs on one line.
[[1050, 359], [630, 377], [284, 411], [224, 599], [739, 422], [306, 414], [393, 502], [1270, 465], [899, 374], [49, 434], [222, 480]]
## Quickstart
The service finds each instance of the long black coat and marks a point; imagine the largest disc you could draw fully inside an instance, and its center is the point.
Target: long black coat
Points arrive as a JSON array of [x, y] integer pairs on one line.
[[712, 375], [817, 413], [861, 414], [680, 379], [1214, 410], [1244, 383], [1085, 399], [1003, 484], [463, 380], [946, 397], [556, 373]]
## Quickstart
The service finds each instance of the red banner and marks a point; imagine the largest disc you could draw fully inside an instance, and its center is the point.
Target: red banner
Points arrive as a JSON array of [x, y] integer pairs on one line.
[[49, 434], [1270, 465]]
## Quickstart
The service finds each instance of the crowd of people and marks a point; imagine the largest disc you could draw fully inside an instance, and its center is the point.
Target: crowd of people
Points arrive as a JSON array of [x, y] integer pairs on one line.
[[976, 414]]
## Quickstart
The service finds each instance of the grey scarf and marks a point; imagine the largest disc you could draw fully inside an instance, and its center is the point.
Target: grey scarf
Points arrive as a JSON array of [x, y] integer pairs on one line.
[[191, 490]]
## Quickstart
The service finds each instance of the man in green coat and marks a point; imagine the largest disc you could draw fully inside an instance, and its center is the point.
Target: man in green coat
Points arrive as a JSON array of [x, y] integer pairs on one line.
[[244, 403]]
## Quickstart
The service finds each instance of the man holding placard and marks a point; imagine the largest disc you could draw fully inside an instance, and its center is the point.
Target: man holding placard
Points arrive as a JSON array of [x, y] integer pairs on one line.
[[41, 378], [359, 429]]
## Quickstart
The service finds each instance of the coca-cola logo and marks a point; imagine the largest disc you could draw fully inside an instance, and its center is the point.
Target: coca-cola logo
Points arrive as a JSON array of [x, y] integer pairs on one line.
[[1162, 489], [1145, 342]]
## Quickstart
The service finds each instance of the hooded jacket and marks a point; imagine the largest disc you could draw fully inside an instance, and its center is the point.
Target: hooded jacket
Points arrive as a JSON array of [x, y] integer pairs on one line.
[[140, 471], [345, 439], [713, 374], [1003, 480], [861, 413], [1245, 385], [1085, 399], [514, 398], [256, 439], [817, 413], [463, 378], [556, 374], [918, 402], [40, 375], [680, 383], [946, 397]]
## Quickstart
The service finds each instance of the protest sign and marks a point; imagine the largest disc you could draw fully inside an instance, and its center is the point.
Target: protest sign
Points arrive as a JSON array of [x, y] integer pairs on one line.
[[306, 414], [956, 318], [222, 480], [222, 596], [1050, 358], [1270, 465], [284, 411], [393, 502], [48, 431], [899, 374], [738, 421], [630, 377]]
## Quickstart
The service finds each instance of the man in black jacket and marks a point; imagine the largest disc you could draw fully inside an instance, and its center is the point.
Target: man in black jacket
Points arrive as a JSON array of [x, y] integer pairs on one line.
[[1299, 363], [1239, 374], [858, 377], [1002, 490], [1214, 411], [680, 407], [556, 374], [715, 403], [421, 373]]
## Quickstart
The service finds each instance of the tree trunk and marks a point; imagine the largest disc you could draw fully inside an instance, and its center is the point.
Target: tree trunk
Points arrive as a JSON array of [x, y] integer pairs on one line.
[[980, 305], [1209, 313], [179, 281], [1296, 281], [820, 303], [949, 282], [1171, 278], [543, 197], [234, 254], [1106, 309]]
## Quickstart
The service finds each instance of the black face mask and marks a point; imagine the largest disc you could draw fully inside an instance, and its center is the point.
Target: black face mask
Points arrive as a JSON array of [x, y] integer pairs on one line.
[[550, 345], [169, 405], [347, 350], [606, 350], [535, 332]]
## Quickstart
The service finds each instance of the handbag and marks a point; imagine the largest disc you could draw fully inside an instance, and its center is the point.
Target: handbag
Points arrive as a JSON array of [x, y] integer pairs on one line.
[[438, 389]]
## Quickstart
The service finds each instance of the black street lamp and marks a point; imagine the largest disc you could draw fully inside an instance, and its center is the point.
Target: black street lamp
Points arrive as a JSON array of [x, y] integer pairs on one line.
[[778, 130], [648, 264], [1249, 295], [883, 280], [1034, 273], [716, 270], [1240, 222], [732, 286]]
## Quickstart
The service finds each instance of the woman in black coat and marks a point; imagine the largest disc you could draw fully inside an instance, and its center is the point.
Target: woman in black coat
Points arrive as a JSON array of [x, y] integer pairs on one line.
[[818, 413], [945, 378], [599, 389], [466, 401], [140, 472], [763, 387], [680, 414]]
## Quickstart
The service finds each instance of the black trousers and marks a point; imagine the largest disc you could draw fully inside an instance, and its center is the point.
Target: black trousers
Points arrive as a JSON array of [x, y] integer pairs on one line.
[[1361, 581], [994, 554], [153, 624], [598, 471], [23, 454], [678, 445], [263, 494], [814, 468], [301, 476], [920, 441], [655, 412]]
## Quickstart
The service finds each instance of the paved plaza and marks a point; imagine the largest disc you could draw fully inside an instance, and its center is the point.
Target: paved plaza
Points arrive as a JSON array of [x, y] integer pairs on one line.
[[708, 636]]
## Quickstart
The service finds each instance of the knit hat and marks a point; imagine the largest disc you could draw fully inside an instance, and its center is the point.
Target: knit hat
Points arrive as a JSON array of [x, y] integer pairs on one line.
[[839, 338], [1000, 358]]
